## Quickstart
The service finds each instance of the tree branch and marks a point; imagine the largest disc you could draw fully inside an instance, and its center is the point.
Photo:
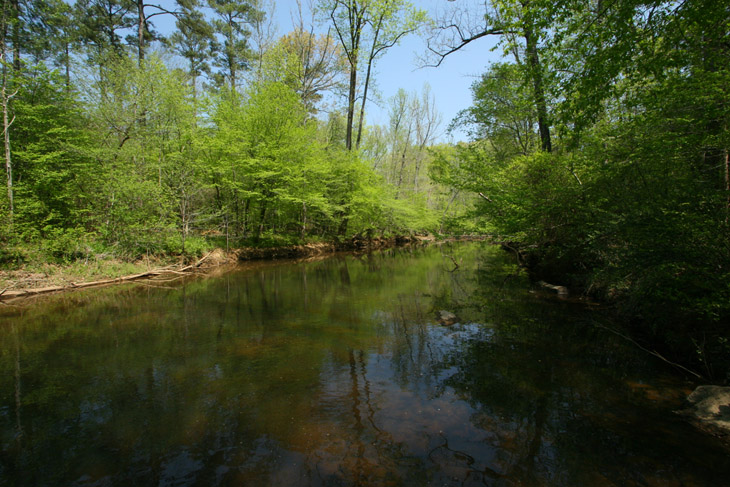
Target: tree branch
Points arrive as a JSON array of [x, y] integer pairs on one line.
[[463, 41]]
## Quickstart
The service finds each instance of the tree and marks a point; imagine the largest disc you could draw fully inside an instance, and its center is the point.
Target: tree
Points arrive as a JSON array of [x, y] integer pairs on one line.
[[634, 206], [6, 95], [143, 24], [522, 26], [318, 65], [268, 162], [411, 130], [231, 19], [382, 23], [390, 21], [193, 40], [100, 23], [503, 114], [48, 143], [61, 33], [145, 164]]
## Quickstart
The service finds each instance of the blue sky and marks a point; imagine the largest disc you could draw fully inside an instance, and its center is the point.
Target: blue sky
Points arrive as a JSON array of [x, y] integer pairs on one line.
[[398, 68]]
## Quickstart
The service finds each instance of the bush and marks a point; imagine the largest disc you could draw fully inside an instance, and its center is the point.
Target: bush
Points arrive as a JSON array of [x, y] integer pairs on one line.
[[11, 257], [66, 245]]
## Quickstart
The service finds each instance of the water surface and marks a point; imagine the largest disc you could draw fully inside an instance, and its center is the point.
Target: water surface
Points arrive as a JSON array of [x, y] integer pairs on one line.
[[336, 372]]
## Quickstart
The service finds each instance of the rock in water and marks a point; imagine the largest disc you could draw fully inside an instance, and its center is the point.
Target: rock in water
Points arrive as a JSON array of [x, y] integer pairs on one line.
[[710, 408], [446, 318]]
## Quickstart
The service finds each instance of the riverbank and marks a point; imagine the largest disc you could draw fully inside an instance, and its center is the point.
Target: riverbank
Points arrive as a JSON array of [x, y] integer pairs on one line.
[[105, 270]]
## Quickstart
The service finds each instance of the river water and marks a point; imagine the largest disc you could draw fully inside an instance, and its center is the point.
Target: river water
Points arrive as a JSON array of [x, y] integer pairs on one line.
[[337, 372]]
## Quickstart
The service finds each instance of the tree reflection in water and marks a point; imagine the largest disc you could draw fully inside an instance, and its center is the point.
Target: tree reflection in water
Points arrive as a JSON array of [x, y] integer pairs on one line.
[[335, 372]]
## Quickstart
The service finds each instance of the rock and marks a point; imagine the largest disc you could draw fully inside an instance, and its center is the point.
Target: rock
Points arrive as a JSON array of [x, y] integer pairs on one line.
[[446, 318], [710, 409]]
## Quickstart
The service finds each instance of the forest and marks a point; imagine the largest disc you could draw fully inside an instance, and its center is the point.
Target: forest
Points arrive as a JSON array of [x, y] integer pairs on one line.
[[598, 145]]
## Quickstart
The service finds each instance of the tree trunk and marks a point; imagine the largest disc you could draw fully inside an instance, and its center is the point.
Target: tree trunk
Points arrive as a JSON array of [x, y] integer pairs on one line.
[[342, 229], [246, 207], [231, 60], [400, 172], [262, 217], [362, 105], [304, 219], [8, 163], [371, 59], [351, 104], [6, 133], [194, 80], [15, 5], [67, 66], [535, 72], [141, 27], [232, 72], [727, 185]]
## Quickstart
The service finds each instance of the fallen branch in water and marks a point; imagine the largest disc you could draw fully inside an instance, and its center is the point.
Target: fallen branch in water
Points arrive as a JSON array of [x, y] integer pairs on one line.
[[456, 265], [518, 254], [652, 352]]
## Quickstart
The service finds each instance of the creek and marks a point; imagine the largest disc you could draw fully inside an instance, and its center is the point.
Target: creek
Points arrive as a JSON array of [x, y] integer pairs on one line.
[[337, 372]]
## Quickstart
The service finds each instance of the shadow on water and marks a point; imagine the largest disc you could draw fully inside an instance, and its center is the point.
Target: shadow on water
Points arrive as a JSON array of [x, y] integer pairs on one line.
[[336, 372]]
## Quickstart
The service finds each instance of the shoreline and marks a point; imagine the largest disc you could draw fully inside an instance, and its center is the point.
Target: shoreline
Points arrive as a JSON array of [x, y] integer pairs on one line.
[[63, 280]]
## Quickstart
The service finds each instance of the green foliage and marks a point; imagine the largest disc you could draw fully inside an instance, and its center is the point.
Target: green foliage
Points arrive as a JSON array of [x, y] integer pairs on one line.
[[47, 138], [66, 245], [11, 257], [503, 113], [632, 204], [121, 155]]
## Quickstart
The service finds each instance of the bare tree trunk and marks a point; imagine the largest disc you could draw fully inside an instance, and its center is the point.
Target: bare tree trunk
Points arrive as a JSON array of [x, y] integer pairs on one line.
[[371, 59], [232, 70], [362, 105], [8, 163], [351, 105], [5, 100], [230, 42], [400, 172]]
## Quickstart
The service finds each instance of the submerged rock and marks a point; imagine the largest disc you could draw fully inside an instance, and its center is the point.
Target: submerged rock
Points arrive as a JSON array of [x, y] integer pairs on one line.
[[710, 409], [446, 318]]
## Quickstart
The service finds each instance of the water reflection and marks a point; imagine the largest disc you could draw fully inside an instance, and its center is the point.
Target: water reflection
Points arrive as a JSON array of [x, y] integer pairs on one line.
[[336, 373]]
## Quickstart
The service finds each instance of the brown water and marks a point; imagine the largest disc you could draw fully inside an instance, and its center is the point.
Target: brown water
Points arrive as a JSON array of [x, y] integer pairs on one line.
[[336, 372]]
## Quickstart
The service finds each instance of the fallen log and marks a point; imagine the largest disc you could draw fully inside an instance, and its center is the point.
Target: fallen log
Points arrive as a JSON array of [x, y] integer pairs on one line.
[[560, 290], [8, 294]]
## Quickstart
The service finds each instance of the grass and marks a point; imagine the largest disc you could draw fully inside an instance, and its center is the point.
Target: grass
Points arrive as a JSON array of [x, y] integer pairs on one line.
[[43, 274]]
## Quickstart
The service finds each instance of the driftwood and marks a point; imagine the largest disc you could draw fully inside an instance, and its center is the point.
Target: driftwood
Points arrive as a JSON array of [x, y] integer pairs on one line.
[[561, 290], [7, 294], [651, 352]]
